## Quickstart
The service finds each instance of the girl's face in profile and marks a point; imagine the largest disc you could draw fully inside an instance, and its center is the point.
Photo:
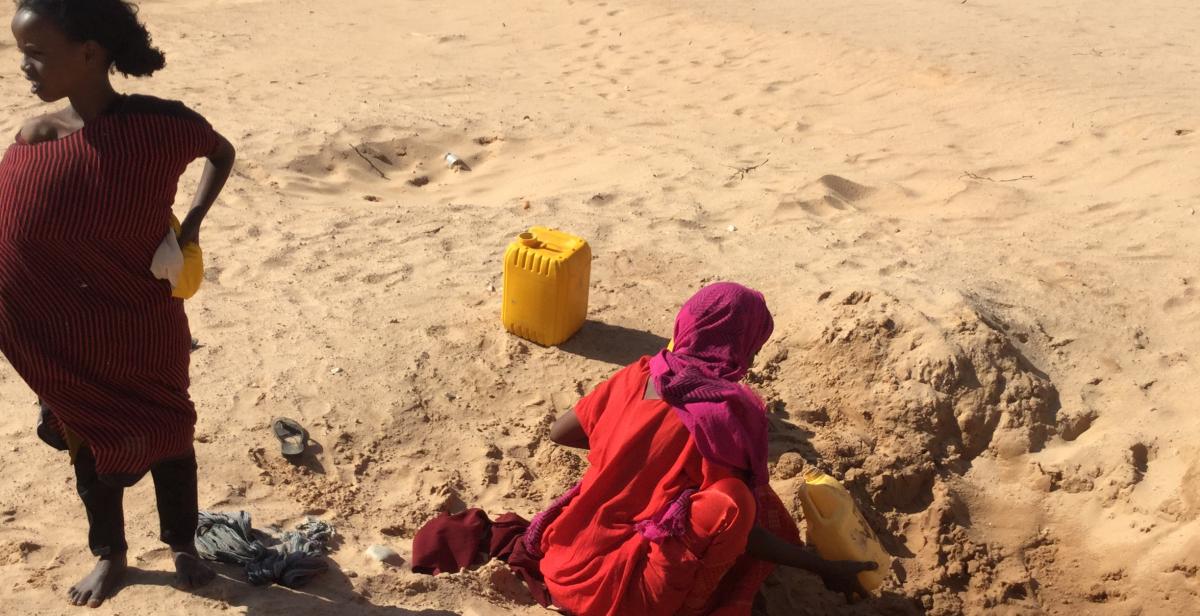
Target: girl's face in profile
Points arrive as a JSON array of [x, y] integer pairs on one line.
[[53, 63]]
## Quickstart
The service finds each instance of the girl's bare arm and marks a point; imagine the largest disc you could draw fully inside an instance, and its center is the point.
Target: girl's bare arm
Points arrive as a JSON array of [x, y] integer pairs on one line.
[[216, 171]]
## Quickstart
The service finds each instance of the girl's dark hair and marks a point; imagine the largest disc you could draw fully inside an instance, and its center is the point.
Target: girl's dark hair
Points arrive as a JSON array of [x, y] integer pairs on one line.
[[111, 23]]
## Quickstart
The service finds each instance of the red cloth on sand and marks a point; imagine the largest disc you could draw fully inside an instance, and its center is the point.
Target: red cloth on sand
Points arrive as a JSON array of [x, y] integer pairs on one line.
[[450, 543]]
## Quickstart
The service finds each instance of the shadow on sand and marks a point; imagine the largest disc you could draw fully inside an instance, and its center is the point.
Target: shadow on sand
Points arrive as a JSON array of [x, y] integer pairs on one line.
[[329, 593], [612, 343]]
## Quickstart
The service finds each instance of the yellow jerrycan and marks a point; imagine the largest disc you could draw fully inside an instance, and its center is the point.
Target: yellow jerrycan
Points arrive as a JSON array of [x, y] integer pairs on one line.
[[838, 529], [546, 277]]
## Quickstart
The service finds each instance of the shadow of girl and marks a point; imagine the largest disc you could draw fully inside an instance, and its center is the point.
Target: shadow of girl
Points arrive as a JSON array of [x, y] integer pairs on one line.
[[329, 593]]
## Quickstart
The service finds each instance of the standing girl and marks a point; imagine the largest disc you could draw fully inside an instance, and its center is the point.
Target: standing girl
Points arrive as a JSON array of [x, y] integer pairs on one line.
[[85, 198]]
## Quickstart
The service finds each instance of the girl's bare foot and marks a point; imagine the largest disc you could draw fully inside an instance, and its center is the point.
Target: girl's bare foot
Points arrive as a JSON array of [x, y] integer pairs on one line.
[[189, 569], [100, 583]]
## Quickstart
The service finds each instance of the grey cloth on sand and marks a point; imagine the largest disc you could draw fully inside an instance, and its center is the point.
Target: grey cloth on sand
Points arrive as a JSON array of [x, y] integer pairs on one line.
[[292, 560]]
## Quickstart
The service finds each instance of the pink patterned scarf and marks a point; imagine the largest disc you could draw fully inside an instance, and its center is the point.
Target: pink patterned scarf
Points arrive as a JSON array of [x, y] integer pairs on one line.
[[717, 334]]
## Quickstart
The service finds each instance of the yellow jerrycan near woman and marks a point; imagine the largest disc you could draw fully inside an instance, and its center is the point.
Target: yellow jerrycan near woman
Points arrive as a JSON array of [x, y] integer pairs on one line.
[[546, 278], [838, 529]]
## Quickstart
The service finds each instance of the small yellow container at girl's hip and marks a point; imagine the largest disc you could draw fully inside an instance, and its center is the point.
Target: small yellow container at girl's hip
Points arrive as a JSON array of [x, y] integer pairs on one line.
[[546, 277], [193, 266]]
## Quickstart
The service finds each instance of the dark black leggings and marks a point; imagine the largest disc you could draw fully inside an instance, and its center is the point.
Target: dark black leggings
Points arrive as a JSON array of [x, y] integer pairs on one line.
[[174, 489]]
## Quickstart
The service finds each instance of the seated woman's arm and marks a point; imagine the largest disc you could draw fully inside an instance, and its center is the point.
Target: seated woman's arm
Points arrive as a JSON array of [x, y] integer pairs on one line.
[[567, 431], [838, 575]]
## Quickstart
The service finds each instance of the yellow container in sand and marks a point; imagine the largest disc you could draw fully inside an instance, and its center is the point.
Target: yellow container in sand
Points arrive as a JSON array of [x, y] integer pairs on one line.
[[546, 277], [838, 529]]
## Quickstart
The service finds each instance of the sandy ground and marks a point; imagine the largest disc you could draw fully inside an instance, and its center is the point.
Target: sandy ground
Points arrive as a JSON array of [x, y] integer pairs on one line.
[[974, 220]]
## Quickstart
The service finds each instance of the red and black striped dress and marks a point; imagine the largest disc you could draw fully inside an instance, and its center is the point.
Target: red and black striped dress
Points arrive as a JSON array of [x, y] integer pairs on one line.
[[82, 319]]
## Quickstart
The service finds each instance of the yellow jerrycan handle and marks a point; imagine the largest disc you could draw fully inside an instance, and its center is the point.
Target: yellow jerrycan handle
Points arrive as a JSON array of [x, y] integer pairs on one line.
[[811, 509]]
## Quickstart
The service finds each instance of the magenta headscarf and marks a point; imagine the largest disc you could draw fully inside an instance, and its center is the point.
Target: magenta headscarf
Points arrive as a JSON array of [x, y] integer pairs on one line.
[[717, 334]]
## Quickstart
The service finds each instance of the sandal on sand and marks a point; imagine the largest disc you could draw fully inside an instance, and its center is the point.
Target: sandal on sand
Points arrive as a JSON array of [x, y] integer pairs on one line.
[[293, 438]]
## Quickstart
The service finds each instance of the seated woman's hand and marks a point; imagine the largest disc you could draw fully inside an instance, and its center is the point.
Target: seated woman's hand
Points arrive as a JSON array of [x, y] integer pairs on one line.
[[842, 576]]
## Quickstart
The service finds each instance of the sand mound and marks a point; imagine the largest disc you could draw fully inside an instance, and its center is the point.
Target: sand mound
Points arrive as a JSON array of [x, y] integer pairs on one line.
[[904, 397], [899, 402]]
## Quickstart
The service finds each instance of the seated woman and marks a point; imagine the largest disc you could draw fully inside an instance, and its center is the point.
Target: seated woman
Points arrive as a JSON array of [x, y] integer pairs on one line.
[[672, 516]]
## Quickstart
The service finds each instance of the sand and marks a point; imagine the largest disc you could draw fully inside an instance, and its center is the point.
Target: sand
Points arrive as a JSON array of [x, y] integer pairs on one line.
[[975, 222]]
